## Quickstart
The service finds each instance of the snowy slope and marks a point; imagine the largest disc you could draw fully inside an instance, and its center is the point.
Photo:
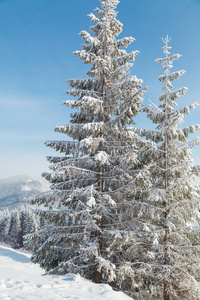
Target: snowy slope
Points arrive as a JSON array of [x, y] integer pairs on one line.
[[14, 191], [20, 279]]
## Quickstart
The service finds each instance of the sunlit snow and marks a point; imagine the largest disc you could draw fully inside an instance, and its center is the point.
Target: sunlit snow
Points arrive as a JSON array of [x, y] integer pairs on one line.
[[20, 279]]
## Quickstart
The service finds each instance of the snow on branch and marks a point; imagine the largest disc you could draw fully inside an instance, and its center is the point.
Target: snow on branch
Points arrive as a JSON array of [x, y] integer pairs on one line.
[[150, 134], [124, 42], [56, 159], [86, 103], [186, 110], [190, 129], [81, 84], [121, 60], [63, 146], [174, 94], [89, 39], [81, 93], [196, 170], [92, 144], [102, 157], [107, 266], [173, 76], [169, 58], [93, 18], [87, 57], [81, 130]]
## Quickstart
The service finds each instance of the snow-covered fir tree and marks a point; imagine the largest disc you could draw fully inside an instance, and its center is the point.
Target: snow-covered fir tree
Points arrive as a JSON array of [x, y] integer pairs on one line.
[[88, 202], [29, 221], [5, 221], [15, 235], [166, 252]]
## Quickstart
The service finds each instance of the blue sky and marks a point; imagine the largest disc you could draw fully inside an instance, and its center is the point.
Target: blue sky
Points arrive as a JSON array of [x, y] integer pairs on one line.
[[37, 40]]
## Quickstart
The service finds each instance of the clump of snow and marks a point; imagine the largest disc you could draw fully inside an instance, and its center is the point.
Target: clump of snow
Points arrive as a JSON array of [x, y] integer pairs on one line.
[[20, 279], [91, 202], [111, 202], [102, 157]]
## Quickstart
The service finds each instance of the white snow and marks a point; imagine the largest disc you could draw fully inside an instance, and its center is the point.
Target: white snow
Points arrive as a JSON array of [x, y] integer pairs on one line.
[[20, 279], [91, 202], [26, 188], [102, 157]]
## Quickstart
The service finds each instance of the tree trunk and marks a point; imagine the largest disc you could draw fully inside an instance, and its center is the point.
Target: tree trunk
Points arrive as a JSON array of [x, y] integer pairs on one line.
[[166, 295], [98, 234], [165, 291]]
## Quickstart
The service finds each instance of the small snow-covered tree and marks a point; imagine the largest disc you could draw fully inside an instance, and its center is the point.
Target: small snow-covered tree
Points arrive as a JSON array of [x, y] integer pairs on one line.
[[5, 221], [166, 251], [15, 236], [87, 206], [29, 222]]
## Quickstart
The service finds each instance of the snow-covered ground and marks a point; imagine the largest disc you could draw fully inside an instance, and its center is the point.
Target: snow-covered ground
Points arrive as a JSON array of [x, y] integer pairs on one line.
[[20, 279]]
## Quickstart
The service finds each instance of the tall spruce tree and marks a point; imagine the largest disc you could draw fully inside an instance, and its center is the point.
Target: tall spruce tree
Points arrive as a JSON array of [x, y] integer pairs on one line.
[[87, 204], [166, 262]]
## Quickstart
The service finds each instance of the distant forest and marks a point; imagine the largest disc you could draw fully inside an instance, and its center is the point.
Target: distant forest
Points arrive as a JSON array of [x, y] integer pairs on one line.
[[16, 223]]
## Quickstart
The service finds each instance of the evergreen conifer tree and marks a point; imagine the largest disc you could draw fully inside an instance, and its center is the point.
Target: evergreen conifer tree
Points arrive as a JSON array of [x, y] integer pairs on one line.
[[5, 222], [15, 224], [29, 222], [15, 236], [165, 258], [87, 206]]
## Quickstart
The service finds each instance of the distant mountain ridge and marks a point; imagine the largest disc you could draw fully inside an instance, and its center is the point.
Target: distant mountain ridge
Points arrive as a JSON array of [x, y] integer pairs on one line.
[[15, 191]]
